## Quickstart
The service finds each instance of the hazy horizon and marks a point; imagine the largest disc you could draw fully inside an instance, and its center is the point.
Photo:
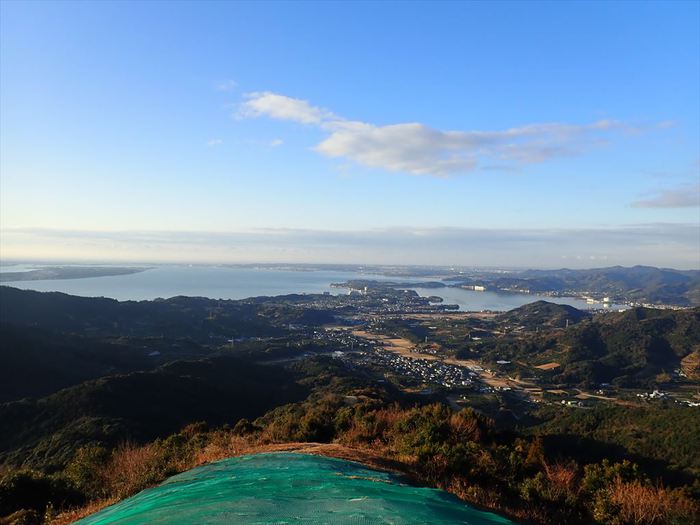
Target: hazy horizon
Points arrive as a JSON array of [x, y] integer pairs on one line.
[[546, 249]]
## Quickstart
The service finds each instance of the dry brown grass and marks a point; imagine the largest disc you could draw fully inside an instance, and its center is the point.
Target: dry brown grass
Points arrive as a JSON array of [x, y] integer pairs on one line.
[[465, 428], [563, 479], [641, 504], [364, 431], [67, 517], [490, 499], [225, 447], [365, 455], [133, 468]]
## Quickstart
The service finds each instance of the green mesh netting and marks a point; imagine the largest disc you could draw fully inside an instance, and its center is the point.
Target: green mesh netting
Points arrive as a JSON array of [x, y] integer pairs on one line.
[[289, 488]]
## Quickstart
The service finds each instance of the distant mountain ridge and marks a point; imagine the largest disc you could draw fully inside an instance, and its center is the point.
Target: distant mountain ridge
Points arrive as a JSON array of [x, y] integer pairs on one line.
[[643, 284]]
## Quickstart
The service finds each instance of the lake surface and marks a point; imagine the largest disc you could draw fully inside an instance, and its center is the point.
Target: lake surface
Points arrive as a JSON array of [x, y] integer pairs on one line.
[[290, 488], [222, 282]]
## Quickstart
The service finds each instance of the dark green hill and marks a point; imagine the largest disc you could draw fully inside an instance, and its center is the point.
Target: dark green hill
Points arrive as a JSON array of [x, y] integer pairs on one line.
[[195, 318], [668, 435], [140, 406], [629, 348], [543, 314], [36, 362], [640, 347]]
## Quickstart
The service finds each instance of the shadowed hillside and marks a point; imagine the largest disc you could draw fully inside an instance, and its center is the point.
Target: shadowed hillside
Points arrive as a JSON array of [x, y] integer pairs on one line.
[[140, 406]]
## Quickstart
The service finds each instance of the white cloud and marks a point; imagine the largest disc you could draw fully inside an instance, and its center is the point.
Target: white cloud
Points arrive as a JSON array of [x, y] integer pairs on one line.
[[411, 148], [214, 142], [283, 108], [686, 196], [226, 85], [276, 142], [419, 149]]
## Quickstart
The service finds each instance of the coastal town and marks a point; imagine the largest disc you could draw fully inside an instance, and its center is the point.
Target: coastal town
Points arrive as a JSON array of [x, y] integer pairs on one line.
[[425, 347]]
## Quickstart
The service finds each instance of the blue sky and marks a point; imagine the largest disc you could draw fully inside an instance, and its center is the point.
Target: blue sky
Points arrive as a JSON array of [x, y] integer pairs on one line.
[[428, 126]]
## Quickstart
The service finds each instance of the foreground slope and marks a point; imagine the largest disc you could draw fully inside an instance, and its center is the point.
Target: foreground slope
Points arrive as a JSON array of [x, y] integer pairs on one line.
[[287, 487]]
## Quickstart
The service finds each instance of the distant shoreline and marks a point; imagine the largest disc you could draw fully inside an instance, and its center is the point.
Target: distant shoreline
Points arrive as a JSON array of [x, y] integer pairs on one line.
[[68, 272]]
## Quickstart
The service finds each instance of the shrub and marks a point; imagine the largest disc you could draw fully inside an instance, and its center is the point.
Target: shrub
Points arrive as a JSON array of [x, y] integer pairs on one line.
[[243, 427], [133, 468], [637, 503], [23, 517], [33, 491], [85, 470], [599, 476]]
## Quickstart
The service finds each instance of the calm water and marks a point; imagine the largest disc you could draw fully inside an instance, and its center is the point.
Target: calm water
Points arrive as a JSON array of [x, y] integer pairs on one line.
[[289, 488], [469, 300], [218, 282]]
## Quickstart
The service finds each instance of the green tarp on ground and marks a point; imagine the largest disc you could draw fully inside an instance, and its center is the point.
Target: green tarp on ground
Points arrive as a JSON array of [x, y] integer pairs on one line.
[[289, 488]]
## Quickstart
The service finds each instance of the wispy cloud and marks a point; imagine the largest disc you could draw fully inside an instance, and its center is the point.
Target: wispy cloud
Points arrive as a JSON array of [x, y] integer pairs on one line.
[[214, 142], [418, 149], [669, 245], [685, 196], [226, 85], [276, 142]]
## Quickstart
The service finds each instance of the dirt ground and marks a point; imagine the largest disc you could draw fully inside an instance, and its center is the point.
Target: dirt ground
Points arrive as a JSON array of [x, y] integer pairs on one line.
[[548, 366], [334, 450]]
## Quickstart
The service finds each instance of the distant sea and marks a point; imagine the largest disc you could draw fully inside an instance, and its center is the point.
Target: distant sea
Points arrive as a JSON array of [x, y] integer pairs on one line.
[[222, 282]]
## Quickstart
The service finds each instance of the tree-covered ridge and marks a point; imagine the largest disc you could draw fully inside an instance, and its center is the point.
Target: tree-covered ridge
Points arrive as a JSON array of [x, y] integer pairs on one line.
[[195, 318], [630, 348], [661, 436], [35, 362], [642, 283], [140, 406], [543, 314], [640, 347]]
